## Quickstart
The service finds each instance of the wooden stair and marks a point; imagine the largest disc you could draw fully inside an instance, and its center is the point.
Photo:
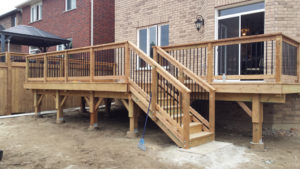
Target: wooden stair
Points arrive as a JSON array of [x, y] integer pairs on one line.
[[170, 105]]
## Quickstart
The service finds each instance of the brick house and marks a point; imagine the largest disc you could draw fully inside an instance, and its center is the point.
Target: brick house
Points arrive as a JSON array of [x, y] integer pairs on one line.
[[161, 22], [11, 19], [84, 22]]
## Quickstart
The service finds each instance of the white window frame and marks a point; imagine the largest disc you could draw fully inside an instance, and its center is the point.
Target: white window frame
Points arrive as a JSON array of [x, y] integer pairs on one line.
[[33, 12], [33, 50], [66, 5], [158, 41], [217, 18], [61, 46]]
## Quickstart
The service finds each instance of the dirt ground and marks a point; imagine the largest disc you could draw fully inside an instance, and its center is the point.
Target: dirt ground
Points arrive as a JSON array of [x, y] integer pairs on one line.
[[32, 143]]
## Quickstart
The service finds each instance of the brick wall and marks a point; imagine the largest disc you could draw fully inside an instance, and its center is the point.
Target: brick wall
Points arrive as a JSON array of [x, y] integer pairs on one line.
[[73, 24], [280, 16], [104, 21], [180, 15]]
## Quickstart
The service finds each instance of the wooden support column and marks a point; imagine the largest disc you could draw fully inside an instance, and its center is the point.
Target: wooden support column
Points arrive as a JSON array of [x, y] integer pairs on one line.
[[132, 114], [37, 100], [298, 63], [212, 102], [93, 112], [257, 120], [59, 103], [9, 84], [186, 119]]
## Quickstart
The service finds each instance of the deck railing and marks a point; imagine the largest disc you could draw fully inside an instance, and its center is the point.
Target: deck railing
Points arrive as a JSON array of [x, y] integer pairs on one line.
[[88, 64], [118, 62], [12, 57], [269, 57]]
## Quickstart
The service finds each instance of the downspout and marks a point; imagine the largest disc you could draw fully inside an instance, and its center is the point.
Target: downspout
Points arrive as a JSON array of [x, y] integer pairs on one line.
[[92, 22]]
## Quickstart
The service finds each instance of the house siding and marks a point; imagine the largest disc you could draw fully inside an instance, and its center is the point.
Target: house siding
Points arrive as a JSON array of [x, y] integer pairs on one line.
[[280, 16]]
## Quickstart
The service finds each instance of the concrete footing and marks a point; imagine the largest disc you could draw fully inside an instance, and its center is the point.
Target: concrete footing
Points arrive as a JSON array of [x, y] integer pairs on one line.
[[257, 146], [93, 127], [60, 121], [131, 134]]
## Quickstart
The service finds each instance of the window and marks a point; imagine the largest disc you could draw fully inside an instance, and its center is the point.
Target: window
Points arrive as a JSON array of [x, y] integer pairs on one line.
[[34, 50], [64, 46], [70, 4], [13, 20], [60, 47], [36, 12], [157, 35]]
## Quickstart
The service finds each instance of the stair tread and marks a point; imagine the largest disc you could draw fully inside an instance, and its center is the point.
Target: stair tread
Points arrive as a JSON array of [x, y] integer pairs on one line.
[[193, 124], [200, 134]]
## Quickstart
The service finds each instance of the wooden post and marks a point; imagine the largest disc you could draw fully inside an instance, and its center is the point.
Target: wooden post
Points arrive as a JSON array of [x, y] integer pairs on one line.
[[257, 120], [127, 61], [59, 109], [186, 119], [26, 70], [212, 102], [9, 84], [278, 58], [66, 66], [92, 64], [154, 90], [37, 100], [181, 76], [210, 63], [93, 112], [45, 68], [132, 119], [154, 83], [298, 63]]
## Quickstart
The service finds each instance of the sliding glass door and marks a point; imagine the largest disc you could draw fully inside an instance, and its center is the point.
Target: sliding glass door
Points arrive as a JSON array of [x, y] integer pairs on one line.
[[240, 59]]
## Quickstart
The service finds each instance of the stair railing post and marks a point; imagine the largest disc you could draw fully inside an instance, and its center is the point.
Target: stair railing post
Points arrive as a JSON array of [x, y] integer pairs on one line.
[[92, 64], [186, 119], [66, 66], [154, 83], [212, 102], [127, 62], [278, 58], [210, 63], [45, 67], [26, 69]]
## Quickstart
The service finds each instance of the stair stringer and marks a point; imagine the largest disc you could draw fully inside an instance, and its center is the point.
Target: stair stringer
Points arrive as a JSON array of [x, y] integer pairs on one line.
[[143, 104]]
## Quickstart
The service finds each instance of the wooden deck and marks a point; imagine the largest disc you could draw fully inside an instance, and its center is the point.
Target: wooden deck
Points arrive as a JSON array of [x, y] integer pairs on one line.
[[175, 77]]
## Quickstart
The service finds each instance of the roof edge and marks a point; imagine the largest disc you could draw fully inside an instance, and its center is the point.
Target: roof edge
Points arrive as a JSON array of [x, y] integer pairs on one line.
[[10, 13], [26, 3]]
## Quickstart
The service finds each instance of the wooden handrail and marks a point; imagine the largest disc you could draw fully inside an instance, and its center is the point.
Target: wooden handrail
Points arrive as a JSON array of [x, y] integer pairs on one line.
[[186, 71], [229, 41], [96, 47], [159, 68]]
